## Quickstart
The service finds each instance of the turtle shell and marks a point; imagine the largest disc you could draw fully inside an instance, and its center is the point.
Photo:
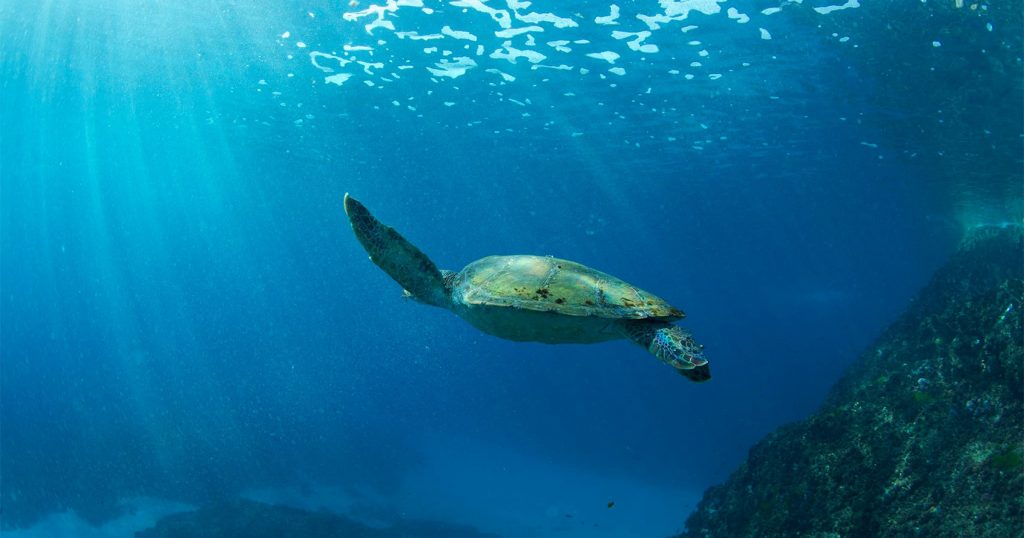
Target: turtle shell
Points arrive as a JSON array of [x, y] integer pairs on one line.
[[547, 284]]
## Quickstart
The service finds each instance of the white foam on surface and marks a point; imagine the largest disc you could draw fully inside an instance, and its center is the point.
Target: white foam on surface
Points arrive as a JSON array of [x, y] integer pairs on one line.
[[680, 9], [560, 45], [550, 18], [457, 34], [654, 22], [505, 76], [338, 79], [453, 68], [637, 43], [607, 56], [316, 56], [850, 4], [514, 21], [367, 66], [500, 16], [379, 23], [510, 53], [560, 67], [379, 10], [609, 19], [415, 36], [735, 14], [512, 32]]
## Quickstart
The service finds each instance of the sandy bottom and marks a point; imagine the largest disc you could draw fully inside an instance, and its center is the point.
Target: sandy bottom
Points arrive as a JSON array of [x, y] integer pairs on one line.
[[493, 489]]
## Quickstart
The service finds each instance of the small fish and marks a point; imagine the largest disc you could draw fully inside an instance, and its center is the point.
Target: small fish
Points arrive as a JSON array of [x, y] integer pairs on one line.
[[611, 504]]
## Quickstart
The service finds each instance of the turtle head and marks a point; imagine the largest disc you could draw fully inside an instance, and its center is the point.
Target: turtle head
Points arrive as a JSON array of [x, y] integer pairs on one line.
[[678, 349]]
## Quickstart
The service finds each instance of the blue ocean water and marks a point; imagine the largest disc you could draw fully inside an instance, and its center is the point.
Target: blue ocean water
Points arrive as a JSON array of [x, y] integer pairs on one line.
[[186, 315]]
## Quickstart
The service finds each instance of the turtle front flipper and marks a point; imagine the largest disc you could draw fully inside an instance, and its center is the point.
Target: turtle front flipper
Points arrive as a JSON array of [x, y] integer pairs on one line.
[[672, 345], [396, 256]]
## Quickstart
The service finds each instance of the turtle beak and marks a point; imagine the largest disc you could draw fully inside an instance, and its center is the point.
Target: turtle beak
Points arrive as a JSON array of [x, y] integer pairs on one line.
[[697, 374]]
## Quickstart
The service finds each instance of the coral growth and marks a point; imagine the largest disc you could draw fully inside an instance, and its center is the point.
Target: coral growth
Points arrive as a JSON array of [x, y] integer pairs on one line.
[[922, 437]]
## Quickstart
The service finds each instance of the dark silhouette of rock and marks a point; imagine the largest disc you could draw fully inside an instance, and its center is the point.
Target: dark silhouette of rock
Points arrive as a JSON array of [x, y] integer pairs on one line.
[[922, 437], [249, 519]]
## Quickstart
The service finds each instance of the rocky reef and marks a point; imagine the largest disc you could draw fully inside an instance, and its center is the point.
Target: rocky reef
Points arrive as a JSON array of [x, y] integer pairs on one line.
[[923, 436], [249, 519]]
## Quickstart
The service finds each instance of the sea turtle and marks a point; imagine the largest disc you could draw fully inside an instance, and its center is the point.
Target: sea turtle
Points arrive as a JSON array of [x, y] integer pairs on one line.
[[534, 298]]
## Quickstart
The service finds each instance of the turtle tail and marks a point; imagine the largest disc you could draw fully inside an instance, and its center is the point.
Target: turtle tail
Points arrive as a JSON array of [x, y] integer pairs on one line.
[[399, 258], [672, 345]]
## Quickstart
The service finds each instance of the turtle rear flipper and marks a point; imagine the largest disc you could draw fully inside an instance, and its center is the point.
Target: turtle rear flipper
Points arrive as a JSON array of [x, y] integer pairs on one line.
[[399, 258]]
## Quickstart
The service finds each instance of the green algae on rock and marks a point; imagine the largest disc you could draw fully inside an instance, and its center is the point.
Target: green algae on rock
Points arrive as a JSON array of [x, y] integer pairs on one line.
[[924, 434]]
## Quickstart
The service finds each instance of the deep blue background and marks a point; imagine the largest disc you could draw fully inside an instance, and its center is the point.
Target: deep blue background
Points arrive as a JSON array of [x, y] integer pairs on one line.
[[186, 314]]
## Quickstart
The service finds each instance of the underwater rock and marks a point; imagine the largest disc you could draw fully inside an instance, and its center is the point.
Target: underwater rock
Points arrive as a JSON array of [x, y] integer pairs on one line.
[[249, 519], [923, 436]]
